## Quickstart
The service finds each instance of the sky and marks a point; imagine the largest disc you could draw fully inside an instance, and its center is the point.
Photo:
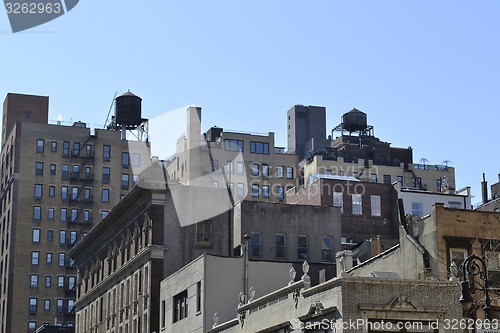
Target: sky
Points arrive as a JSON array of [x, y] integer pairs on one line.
[[427, 73]]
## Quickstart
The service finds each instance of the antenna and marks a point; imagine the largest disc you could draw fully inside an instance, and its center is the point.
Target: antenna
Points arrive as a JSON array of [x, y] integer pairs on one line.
[[110, 108]]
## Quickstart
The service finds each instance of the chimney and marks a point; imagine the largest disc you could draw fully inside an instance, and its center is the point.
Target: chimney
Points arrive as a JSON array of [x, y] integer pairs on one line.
[[343, 261], [484, 189]]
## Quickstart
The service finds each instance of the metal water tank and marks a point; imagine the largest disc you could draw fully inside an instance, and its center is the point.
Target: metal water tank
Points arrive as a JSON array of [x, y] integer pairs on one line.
[[128, 109], [354, 120]]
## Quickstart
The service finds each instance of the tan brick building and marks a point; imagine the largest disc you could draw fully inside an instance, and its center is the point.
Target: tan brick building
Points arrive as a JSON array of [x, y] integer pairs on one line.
[[56, 182]]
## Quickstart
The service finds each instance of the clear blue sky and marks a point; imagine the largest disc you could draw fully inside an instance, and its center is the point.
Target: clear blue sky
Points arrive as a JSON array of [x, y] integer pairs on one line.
[[427, 73]]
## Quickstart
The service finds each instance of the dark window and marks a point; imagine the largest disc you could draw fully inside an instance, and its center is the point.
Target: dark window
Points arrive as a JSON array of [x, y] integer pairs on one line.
[[280, 246], [125, 160], [327, 248], [106, 174], [27, 115], [106, 151], [65, 148], [233, 145], [86, 194], [259, 147], [302, 247], [76, 171], [48, 281], [53, 147], [255, 190], [255, 244], [39, 169], [281, 192], [88, 150], [60, 306], [180, 306], [76, 148], [255, 169], [125, 181], [88, 172], [387, 179], [204, 232], [50, 235], [53, 169], [37, 213], [52, 191], [46, 304], [65, 171], [39, 145]]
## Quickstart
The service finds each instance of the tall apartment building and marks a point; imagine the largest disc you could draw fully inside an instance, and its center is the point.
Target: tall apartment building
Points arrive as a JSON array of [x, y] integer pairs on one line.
[[248, 164], [56, 182]]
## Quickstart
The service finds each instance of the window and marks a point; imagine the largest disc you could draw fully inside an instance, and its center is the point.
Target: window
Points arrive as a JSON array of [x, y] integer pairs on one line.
[[373, 178], [136, 159], [106, 174], [255, 244], [36, 235], [27, 115], [64, 213], [65, 171], [74, 193], [493, 268], [39, 168], [87, 193], [355, 174], [53, 146], [125, 160], [240, 168], [265, 170], [198, 296], [62, 259], [387, 179], [215, 165], [457, 257], [302, 247], [125, 181], [104, 213], [416, 209], [255, 190], [31, 326], [281, 192], [88, 172], [76, 171], [48, 258], [33, 302], [279, 171], [135, 179], [72, 237], [375, 205], [88, 150], [39, 145], [48, 281], [52, 191], [289, 172], [106, 151], [60, 306], [338, 200], [105, 195], [50, 214], [50, 235], [46, 304], [65, 148], [215, 184], [35, 257], [280, 246], [76, 148], [240, 188], [60, 282], [259, 147], [71, 305], [71, 282], [86, 216], [265, 191], [204, 232], [357, 204], [233, 145], [74, 214], [327, 248], [230, 167], [255, 169], [52, 169], [62, 236], [416, 182], [64, 193], [180, 306], [38, 191], [400, 180], [37, 213], [34, 281]]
